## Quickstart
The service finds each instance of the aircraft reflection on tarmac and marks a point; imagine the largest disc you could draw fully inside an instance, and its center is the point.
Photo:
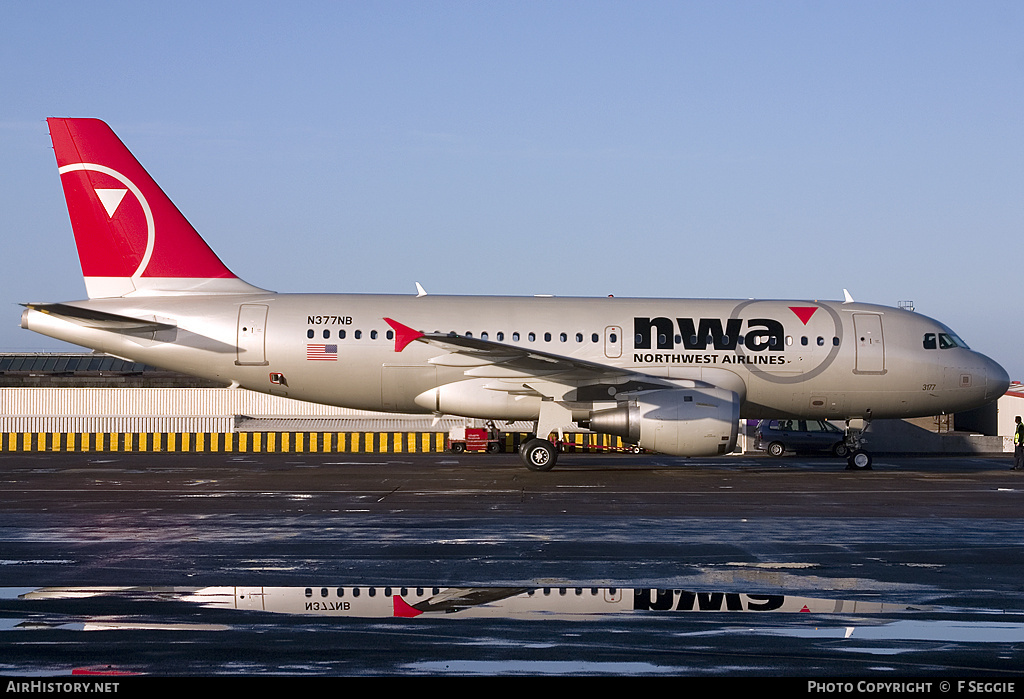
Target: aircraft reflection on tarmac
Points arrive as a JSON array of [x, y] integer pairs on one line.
[[494, 602]]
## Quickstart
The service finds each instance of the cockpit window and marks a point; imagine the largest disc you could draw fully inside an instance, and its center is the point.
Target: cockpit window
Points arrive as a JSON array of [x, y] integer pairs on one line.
[[950, 340], [943, 341]]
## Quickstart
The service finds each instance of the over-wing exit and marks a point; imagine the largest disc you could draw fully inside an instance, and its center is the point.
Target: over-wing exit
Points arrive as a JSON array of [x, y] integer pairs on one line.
[[669, 375]]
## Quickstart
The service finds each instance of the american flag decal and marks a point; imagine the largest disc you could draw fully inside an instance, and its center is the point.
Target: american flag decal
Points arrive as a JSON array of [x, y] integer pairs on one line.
[[326, 353]]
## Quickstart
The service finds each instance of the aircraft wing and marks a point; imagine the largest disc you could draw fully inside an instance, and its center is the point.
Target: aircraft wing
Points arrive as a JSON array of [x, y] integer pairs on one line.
[[457, 599], [487, 359]]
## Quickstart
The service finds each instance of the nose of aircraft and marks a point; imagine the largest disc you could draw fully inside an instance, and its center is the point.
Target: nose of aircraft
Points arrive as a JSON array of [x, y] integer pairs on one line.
[[996, 379]]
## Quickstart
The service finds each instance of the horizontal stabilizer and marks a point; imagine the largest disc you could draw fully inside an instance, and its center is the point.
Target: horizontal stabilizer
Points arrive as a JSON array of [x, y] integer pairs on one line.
[[98, 319]]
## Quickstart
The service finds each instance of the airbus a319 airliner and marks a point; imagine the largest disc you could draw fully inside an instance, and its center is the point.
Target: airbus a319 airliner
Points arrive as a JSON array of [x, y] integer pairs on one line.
[[672, 376]]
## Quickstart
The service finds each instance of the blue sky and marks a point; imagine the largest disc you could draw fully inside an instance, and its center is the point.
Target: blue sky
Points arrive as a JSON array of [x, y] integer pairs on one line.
[[672, 149]]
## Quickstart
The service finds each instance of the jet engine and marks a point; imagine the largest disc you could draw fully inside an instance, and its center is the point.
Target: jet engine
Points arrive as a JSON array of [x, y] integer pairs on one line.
[[680, 422]]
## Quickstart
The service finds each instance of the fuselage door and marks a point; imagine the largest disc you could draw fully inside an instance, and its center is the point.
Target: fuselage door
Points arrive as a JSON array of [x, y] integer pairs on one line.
[[870, 348], [613, 342], [252, 326]]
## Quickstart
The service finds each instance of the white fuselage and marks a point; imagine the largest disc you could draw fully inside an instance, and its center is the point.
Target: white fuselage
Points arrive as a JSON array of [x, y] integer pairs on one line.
[[781, 358]]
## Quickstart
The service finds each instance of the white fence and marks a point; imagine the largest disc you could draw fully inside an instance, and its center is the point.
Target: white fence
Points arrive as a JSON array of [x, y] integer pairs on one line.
[[148, 409]]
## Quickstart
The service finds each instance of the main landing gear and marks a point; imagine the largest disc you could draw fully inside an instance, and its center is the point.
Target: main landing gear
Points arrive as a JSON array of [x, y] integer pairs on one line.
[[538, 454]]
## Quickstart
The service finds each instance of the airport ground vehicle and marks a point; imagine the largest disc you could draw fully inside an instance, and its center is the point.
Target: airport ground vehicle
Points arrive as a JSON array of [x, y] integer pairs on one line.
[[779, 436], [462, 439]]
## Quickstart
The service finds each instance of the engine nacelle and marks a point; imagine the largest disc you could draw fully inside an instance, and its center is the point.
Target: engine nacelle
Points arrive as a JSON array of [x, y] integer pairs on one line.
[[676, 421]]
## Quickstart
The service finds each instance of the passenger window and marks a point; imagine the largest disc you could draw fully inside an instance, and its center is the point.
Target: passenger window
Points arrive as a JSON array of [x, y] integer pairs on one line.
[[579, 337], [532, 336], [547, 337], [484, 335], [373, 334], [327, 334], [341, 335], [803, 340], [563, 337], [310, 333], [594, 338], [500, 337], [821, 342], [515, 337], [358, 334], [390, 335]]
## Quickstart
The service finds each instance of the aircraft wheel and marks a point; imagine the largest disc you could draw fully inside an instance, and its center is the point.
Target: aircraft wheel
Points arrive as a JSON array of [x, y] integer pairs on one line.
[[458, 448], [539, 455], [840, 450], [776, 449], [859, 460]]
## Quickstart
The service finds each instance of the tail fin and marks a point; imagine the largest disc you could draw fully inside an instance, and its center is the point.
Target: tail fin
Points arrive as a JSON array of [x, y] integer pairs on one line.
[[131, 238]]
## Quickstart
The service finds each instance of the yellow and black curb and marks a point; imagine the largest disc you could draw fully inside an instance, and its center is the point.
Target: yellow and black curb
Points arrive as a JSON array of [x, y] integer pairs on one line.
[[271, 442]]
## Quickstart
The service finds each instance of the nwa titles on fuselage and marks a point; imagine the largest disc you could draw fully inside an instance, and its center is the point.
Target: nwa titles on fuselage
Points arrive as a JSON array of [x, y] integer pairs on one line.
[[672, 376]]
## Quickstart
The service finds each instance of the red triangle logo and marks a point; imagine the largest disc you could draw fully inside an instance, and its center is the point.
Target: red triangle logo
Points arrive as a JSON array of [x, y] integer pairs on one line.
[[403, 334], [805, 609], [403, 609], [804, 313]]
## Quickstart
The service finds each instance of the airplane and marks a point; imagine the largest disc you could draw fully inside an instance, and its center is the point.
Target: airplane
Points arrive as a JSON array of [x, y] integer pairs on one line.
[[409, 602], [668, 375]]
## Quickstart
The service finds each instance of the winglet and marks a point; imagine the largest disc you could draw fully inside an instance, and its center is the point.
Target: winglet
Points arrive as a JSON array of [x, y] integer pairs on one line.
[[403, 334], [848, 299], [420, 291]]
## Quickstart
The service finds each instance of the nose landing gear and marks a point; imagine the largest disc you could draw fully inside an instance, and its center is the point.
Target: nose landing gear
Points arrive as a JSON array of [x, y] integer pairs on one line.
[[859, 459]]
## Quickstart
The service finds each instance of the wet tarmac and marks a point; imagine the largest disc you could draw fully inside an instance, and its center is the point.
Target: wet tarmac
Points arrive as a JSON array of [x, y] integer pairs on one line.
[[206, 564]]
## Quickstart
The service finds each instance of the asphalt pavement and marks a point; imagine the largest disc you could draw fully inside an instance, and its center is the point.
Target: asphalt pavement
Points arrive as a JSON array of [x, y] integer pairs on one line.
[[913, 568]]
